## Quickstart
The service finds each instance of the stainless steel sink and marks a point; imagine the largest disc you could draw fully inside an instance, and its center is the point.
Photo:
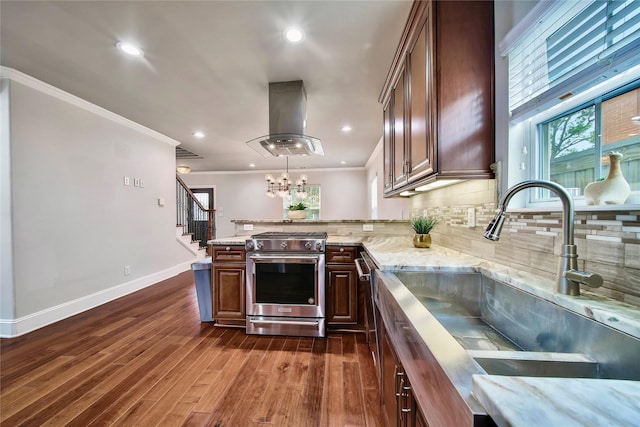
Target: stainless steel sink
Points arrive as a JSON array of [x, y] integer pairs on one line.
[[536, 364], [511, 332]]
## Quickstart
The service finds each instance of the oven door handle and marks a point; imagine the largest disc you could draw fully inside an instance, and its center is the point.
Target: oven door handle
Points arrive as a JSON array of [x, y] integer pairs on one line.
[[307, 259], [361, 274], [285, 322], [285, 259]]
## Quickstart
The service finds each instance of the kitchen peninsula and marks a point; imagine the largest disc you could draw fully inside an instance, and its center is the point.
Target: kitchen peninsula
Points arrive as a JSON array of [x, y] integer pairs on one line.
[[389, 245]]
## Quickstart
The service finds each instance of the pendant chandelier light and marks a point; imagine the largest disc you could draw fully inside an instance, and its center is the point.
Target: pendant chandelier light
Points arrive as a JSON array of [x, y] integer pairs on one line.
[[282, 185]]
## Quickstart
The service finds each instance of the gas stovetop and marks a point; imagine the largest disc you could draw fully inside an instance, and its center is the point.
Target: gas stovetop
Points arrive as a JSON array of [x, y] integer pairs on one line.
[[284, 241]]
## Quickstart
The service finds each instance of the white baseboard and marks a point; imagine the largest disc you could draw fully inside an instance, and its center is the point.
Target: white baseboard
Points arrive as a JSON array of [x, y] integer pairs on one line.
[[10, 328]]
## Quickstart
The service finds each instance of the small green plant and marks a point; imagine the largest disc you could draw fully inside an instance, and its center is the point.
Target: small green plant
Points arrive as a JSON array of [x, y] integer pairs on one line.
[[423, 224], [297, 207]]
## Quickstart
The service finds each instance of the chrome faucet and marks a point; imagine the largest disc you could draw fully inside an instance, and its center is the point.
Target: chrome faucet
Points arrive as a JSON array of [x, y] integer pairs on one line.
[[569, 277]]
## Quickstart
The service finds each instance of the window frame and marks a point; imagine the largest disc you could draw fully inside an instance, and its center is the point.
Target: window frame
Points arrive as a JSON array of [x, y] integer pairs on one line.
[[538, 145]]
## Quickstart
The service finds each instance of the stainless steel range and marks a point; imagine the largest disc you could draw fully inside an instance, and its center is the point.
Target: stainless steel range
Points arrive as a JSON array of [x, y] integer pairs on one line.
[[285, 284]]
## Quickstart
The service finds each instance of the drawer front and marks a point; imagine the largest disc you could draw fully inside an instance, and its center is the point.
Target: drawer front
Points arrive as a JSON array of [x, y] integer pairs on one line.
[[341, 254], [229, 253]]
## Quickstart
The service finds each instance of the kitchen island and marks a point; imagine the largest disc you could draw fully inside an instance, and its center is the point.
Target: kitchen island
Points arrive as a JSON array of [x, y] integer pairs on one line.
[[395, 252]]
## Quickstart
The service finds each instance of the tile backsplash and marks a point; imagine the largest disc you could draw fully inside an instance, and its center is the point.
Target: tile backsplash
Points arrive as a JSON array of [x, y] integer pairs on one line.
[[608, 241]]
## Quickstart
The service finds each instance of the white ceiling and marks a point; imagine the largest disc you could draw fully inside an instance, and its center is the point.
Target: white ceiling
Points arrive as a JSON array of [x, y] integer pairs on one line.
[[207, 66]]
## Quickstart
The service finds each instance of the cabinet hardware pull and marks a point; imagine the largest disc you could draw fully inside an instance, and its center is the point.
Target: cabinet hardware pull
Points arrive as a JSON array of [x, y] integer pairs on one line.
[[227, 249]]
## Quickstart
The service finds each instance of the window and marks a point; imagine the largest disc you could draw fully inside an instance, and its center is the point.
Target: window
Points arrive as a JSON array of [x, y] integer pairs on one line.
[[574, 92], [574, 145], [312, 201]]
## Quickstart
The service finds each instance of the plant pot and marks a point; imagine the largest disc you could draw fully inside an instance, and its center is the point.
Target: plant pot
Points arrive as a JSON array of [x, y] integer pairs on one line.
[[422, 240], [297, 214]]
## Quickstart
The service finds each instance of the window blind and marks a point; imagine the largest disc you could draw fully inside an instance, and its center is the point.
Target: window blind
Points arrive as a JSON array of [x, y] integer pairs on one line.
[[573, 46]]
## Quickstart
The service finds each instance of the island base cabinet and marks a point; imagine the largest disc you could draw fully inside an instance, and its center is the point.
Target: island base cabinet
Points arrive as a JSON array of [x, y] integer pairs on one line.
[[228, 292], [342, 295]]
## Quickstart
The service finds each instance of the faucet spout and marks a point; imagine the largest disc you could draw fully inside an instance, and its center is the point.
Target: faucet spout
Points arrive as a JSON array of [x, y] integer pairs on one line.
[[568, 278]]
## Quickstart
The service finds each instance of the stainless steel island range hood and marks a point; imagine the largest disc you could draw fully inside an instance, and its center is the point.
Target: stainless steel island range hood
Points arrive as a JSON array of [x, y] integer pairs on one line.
[[287, 116]]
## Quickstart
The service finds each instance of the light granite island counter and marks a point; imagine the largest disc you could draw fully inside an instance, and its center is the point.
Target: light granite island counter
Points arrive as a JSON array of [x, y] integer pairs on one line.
[[513, 401]]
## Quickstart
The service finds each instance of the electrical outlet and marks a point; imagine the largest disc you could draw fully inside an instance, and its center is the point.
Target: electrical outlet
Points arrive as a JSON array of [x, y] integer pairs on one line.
[[367, 227], [471, 217], [248, 227], [127, 270]]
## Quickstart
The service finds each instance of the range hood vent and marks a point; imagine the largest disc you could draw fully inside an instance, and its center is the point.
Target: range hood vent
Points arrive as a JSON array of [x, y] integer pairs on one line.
[[287, 117]]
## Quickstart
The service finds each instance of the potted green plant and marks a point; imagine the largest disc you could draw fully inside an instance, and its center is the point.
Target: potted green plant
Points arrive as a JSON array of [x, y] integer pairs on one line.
[[297, 211], [422, 225]]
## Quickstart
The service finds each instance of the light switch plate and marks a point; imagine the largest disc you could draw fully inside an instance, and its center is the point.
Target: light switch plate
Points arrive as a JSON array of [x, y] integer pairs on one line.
[[367, 227], [471, 217], [126, 180], [248, 227]]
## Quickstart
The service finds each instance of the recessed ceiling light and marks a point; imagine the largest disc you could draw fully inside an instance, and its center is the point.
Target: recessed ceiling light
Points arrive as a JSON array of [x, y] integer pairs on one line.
[[130, 49], [252, 165], [293, 35], [198, 134], [344, 162], [346, 128]]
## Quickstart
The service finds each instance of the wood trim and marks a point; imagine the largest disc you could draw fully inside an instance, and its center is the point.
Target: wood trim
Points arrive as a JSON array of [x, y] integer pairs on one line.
[[418, 12]]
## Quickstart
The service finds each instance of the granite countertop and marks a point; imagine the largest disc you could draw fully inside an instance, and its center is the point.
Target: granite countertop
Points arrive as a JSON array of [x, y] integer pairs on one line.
[[566, 402], [331, 240]]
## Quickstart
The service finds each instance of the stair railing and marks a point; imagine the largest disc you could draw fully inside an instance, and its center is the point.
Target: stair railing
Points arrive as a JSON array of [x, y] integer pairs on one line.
[[192, 216]]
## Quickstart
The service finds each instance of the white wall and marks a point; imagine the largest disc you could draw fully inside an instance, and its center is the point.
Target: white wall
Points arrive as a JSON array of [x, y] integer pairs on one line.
[[7, 309], [74, 224], [241, 195], [506, 15], [389, 208]]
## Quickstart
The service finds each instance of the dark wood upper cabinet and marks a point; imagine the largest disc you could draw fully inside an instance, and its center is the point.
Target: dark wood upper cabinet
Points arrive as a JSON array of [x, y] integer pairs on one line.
[[443, 77]]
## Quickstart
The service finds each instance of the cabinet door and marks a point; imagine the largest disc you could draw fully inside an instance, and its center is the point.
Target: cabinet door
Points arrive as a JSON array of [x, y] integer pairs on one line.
[[399, 147], [228, 283], [388, 147], [342, 294], [391, 370], [421, 141]]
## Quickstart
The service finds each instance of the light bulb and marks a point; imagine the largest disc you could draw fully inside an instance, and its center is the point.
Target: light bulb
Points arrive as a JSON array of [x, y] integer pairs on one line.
[[269, 177], [271, 194], [285, 175], [303, 177]]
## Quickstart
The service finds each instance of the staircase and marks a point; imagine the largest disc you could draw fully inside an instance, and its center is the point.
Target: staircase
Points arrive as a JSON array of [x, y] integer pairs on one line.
[[194, 223]]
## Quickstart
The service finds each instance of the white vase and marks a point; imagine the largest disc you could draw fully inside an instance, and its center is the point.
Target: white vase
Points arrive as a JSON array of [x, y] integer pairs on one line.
[[612, 191]]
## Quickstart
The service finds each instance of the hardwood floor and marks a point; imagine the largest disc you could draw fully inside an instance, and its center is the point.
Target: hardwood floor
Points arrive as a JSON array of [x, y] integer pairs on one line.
[[147, 360]]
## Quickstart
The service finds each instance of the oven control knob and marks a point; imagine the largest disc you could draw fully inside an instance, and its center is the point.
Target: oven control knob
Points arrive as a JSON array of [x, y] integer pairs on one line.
[[260, 245], [308, 245], [249, 245], [319, 246], [283, 245]]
